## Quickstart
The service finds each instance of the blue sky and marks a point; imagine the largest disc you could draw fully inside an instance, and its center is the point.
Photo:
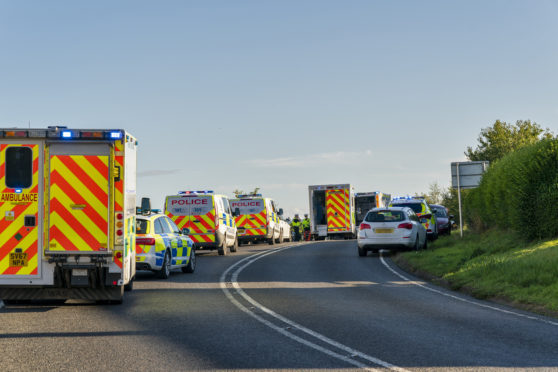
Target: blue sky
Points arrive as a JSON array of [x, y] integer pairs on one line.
[[282, 94]]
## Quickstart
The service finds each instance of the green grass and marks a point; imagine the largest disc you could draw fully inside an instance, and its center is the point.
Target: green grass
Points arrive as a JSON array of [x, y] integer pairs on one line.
[[496, 264]]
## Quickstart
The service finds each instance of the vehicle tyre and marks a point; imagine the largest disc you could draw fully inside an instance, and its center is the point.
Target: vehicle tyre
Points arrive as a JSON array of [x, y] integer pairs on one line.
[[362, 252], [425, 245], [234, 247], [222, 250], [130, 286], [271, 241], [375, 251], [164, 273], [191, 267], [417, 244], [281, 237]]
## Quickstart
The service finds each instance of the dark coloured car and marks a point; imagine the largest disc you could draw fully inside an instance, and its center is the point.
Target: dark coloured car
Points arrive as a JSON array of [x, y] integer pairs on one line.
[[443, 219]]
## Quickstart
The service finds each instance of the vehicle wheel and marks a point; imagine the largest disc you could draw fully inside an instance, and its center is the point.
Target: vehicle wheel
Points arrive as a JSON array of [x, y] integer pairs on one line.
[[375, 251], [191, 267], [128, 287], [425, 245], [234, 247], [417, 244], [222, 250], [281, 237], [362, 252], [164, 273], [271, 241]]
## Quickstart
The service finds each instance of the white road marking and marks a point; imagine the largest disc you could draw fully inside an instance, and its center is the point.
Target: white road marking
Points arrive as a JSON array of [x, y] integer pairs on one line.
[[352, 353], [486, 306]]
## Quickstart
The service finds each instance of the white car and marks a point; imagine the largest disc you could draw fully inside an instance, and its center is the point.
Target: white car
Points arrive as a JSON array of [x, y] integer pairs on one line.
[[393, 228]]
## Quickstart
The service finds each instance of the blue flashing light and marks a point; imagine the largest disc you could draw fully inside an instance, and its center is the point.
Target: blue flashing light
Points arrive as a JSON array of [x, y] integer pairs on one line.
[[195, 192], [66, 134], [115, 135], [18, 191]]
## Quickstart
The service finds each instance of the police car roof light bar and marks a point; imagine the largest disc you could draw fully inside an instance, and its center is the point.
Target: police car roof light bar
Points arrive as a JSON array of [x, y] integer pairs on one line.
[[195, 192]]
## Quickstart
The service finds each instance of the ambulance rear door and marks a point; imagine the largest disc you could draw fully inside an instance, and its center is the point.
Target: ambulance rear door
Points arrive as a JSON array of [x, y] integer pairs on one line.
[[21, 184], [338, 209], [79, 198]]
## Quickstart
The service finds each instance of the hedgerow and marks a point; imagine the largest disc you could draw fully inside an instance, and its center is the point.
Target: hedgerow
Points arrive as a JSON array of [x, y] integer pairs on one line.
[[519, 192]]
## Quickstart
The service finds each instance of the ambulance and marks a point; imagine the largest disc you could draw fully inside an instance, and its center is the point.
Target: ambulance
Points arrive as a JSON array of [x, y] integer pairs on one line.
[[207, 217], [332, 211], [67, 213], [365, 201], [258, 219]]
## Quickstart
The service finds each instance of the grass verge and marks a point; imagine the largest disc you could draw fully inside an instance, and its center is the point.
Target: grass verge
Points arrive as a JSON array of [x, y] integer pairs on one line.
[[497, 265]]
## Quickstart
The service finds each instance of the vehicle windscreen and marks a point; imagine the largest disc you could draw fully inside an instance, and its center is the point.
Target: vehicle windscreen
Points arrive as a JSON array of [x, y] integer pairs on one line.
[[248, 206], [189, 205], [416, 207], [385, 216], [440, 212], [142, 226]]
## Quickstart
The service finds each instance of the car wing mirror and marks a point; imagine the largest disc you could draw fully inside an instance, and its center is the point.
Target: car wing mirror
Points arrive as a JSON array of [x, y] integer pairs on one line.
[[185, 231], [236, 212], [280, 213]]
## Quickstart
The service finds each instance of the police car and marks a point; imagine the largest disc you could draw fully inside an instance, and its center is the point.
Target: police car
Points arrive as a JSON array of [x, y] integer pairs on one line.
[[423, 211], [161, 246], [207, 216]]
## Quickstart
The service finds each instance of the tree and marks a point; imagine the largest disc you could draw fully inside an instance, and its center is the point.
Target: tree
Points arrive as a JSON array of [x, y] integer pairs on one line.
[[237, 192], [503, 138], [435, 194]]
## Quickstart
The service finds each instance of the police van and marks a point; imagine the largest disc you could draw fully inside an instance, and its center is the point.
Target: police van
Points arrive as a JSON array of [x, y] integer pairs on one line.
[[258, 219], [208, 218]]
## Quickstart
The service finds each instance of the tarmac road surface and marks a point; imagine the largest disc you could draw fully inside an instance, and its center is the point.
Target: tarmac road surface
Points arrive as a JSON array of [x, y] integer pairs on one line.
[[292, 307]]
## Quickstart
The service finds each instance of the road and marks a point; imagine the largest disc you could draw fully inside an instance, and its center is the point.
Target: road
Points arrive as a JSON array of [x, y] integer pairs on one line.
[[314, 306]]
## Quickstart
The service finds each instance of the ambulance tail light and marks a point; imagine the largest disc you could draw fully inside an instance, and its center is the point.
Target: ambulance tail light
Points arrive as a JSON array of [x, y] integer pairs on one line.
[[119, 227], [145, 241], [15, 133]]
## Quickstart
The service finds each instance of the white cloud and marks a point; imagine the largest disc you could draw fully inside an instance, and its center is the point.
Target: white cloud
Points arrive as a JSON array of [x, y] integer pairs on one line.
[[337, 157]]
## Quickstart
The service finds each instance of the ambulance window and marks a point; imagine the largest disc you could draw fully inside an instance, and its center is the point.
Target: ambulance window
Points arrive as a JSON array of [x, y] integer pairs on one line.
[[19, 167], [158, 226]]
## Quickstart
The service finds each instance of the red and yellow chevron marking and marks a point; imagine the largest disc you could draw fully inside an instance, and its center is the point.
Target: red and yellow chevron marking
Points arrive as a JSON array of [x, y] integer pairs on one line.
[[338, 210], [13, 209], [252, 224], [202, 228], [78, 203]]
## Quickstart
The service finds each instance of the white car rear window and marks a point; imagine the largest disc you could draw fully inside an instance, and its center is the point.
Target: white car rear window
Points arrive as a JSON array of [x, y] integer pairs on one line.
[[385, 216]]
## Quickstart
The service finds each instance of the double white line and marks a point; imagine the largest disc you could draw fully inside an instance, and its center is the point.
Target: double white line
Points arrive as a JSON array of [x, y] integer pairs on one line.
[[229, 285]]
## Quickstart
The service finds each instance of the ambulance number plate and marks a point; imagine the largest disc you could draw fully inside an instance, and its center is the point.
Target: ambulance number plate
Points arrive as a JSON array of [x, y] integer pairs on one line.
[[383, 231], [18, 259]]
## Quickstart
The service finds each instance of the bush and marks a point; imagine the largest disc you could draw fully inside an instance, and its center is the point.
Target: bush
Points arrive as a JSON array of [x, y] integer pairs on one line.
[[519, 192]]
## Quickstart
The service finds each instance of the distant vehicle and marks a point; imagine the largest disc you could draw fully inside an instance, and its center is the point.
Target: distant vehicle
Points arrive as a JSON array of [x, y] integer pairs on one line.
[[332, 211], [208, 217], [285, 231], [394, 228], [422, 209], [443, 219], [258, 219], [161, 246], [365, 201]]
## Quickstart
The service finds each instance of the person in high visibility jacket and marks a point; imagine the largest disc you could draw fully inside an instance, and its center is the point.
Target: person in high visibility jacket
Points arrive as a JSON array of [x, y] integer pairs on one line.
[[306, 227], [296, 226]]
